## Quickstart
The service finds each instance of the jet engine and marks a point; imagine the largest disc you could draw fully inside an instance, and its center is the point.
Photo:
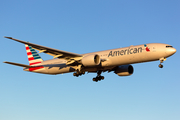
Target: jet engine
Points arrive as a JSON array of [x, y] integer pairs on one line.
[[124, 70], [91, 60]]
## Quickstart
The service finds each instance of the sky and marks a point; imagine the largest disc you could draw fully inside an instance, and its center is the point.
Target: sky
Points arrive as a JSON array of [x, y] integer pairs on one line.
[[82, 26]]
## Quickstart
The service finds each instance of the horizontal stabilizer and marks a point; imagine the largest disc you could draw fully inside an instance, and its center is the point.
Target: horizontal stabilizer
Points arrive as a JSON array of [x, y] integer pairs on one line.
[[18, 64]]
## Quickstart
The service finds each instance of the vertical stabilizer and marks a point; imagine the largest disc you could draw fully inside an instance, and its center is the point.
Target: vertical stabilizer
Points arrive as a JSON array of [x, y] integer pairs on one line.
[[33, 58]]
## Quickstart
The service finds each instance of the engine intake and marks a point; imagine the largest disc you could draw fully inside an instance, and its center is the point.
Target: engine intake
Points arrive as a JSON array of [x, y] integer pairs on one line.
[[91, 60], [124, 70]]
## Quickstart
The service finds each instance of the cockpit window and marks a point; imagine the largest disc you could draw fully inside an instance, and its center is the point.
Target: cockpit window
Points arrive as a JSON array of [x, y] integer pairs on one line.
[[169, 46]]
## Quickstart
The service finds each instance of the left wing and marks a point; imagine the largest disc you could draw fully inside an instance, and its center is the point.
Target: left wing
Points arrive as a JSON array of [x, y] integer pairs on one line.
[[28, 66], [53, 52], [18, 64]]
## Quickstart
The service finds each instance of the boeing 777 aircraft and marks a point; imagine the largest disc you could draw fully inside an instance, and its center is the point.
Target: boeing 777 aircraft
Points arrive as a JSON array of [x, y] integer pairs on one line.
[[116, 60]]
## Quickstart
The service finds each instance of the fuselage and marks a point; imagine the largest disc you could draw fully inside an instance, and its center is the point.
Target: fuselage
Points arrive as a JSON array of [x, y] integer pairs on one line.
[[113, 57], [136, 54]]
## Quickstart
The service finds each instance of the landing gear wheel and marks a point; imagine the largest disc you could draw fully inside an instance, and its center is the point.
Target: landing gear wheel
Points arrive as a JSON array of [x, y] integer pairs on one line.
[[78, 73], [161, 61], [160, 66], [75, 74], [98, 77], [95, 79]]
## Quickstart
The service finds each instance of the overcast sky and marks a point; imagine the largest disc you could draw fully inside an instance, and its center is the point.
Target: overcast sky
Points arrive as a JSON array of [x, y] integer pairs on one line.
[[83, 26]]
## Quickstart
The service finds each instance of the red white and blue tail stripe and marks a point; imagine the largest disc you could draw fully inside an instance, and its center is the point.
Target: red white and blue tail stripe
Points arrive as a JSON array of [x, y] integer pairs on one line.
[[33, 58]]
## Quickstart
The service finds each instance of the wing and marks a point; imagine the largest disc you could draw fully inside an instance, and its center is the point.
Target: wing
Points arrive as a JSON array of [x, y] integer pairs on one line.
[[28, 66], [53, 52], [18, 64]]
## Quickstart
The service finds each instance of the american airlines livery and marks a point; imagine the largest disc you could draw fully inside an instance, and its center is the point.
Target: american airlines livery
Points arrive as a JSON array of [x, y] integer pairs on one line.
[[116, 60]]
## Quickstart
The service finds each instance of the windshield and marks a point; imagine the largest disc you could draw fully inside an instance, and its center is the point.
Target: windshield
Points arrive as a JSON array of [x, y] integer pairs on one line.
[[169, 46]]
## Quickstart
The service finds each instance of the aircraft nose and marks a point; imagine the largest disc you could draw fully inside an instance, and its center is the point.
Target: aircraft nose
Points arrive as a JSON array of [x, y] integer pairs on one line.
[[171, 51]]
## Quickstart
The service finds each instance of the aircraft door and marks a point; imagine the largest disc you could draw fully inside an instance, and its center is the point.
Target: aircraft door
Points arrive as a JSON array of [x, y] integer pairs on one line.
[[154, 48]]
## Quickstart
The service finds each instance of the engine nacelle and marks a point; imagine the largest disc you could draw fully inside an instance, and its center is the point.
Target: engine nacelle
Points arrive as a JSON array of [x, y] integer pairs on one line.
[[91, 60], [124, 70]]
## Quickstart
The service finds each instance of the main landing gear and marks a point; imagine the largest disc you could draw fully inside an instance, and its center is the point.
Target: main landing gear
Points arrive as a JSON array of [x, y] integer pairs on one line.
[[98, 77], [78, 73], [161, 61]]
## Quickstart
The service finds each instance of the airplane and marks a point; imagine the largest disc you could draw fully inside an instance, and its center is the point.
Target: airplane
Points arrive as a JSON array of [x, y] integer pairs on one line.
[[117, 60]]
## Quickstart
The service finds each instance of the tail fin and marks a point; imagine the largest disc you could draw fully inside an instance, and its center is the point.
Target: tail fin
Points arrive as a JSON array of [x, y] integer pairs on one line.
[[33, 56]]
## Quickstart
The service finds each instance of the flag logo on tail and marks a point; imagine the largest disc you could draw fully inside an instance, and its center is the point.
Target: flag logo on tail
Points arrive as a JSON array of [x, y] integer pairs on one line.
[[33, 58]]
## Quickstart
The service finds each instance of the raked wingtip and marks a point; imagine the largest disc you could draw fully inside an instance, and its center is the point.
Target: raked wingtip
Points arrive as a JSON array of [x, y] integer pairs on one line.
[[8, 37]]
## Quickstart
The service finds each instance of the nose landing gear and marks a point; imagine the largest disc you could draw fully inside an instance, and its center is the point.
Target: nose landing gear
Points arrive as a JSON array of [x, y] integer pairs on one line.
[[160, 66], [161, 61], [98, 77]]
